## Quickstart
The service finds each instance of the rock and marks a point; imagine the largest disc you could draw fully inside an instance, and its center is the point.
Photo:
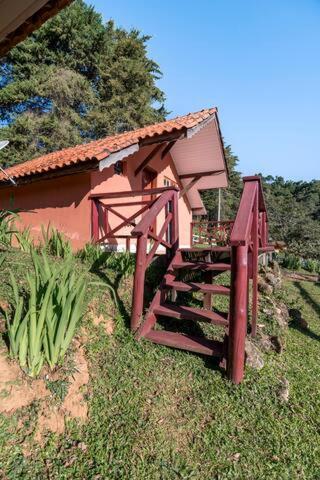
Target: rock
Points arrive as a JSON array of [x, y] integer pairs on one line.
[[276, 270], [280, 318], [253, 355], [273, 280], [264, 287], [264, 341], [284, 390]]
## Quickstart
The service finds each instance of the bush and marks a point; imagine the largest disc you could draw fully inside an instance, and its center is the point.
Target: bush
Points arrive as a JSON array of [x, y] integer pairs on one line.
[[93, 254], [45, 315], [311, 265], [122, 263], [7, 218], [292, 262], [24, 239], [55, 243]]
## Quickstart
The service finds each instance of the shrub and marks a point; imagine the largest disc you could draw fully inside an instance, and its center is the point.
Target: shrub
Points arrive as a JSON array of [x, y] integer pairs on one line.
[[93, 254], [55, 243], [292, 262], [311, 265], [44, 316], [122, 263], [7, 218], [24, 239]]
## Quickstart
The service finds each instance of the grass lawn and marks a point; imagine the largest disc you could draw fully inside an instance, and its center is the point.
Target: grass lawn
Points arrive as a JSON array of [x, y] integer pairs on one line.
[[157, 413]]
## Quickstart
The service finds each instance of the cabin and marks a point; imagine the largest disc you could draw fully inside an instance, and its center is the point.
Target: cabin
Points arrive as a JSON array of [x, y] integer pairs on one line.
[[140, 191], [86, 191]]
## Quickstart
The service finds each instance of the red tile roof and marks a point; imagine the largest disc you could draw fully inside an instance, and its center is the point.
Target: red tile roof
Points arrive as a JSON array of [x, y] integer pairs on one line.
[[101, 149]]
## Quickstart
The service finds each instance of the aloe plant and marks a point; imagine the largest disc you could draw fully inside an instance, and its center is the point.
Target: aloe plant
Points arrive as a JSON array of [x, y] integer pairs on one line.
[[7, 218], [24, 239], [44, 320], [55, 243]]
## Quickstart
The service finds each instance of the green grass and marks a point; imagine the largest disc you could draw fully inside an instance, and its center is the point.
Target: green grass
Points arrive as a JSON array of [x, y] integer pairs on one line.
[[157, 413]]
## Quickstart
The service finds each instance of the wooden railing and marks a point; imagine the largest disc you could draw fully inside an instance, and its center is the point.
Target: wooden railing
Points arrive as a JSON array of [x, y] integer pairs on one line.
[[207, 232], [167, 203], [106, 206], [249, 236]]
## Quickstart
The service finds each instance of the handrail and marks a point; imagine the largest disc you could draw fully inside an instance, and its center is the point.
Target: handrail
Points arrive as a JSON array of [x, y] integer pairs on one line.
[[133, 193], [148, 219], [250, 230], [167, 201], [242, 225]]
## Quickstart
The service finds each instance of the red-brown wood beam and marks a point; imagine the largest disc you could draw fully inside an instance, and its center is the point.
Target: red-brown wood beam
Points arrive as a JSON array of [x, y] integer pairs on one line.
[[202, 174], [167, 148], [238, 314], [148, 158], [190, 185], [166, 137], [133, 193], [95, 220]]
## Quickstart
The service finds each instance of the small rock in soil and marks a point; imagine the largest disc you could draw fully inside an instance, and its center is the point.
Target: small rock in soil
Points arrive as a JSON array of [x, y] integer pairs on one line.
[[284, 390], [253, 355]]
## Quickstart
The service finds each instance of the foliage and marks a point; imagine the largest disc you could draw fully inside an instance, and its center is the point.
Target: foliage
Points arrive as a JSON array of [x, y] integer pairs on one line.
[[24, 239], [44, 317], [122, 263], [294, 214], [291, 261], [312, 265], [55, 243], [93, 254], [75, 79], [7, 218]]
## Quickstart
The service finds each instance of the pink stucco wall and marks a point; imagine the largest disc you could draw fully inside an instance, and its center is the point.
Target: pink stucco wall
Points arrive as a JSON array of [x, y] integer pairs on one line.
[[107, 181], [63, 202]]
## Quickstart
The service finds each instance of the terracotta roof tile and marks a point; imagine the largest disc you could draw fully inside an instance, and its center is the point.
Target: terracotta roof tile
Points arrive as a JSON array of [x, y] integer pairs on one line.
[[100, 149]]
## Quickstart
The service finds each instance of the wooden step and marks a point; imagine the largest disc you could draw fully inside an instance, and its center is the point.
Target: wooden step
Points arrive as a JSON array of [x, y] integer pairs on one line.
[[197, 287], [186, 342], [190, 313], [220, 267]]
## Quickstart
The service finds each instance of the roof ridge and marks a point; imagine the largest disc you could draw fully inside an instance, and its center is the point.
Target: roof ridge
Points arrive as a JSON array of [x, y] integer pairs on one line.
[[103, 147]]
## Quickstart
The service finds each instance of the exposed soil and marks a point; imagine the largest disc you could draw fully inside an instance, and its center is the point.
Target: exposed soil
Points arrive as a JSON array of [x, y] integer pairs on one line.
[[16, 390]]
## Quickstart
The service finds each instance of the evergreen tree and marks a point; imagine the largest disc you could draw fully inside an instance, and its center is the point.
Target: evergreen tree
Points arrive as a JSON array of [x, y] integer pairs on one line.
[[75, 79]]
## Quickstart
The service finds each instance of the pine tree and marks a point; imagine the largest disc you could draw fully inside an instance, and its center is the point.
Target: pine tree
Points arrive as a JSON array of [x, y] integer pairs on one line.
[[73, 80]]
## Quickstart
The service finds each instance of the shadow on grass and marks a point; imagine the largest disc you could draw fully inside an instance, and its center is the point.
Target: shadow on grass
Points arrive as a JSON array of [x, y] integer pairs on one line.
[[316, 308]]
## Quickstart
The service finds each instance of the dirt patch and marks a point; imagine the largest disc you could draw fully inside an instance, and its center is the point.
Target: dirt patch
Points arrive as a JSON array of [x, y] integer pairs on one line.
[[107, 323], [52, 419], [16, 390]]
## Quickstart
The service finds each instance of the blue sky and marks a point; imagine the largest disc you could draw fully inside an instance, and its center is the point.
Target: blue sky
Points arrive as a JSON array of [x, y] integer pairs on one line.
[[257, 60]]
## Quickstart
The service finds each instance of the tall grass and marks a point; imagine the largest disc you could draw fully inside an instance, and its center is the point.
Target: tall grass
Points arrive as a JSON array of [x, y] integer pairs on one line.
[[45, 315], [7, 218], [55, 242]]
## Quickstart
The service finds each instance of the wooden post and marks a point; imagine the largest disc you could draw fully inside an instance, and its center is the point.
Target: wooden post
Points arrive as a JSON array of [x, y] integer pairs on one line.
[[95, 220], [175, 223], [207, 297], [255, 259], [238, 314], [138, 284]]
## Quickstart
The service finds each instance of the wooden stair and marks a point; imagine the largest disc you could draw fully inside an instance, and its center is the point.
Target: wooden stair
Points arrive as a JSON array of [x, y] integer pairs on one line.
[[160, 307]]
